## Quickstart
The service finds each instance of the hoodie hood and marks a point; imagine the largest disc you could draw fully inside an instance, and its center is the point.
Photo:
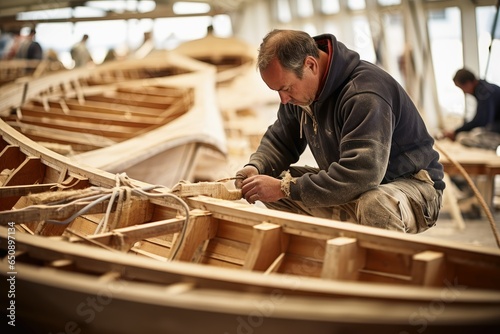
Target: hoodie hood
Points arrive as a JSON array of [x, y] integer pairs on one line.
[[343, 61]]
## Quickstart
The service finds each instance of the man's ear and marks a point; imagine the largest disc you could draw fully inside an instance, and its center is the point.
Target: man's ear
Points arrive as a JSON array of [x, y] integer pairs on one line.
[[311, 63]]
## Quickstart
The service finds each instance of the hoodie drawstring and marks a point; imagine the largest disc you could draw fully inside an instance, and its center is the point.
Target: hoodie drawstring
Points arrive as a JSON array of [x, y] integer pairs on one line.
[[303, 119]]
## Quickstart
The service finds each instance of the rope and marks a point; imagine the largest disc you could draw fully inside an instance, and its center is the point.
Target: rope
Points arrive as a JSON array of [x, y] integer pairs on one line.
[[478, 195], [121, 194]]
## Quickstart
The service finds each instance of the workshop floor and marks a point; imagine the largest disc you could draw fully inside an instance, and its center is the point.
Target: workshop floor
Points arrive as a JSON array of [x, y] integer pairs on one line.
[[477, 231]]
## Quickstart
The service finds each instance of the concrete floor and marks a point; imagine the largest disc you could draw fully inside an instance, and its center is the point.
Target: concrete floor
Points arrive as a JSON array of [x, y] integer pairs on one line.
[[476, 232]]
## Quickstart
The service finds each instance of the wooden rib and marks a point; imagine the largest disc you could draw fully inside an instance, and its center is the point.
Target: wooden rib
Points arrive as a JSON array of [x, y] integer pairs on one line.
[[428, 268], [198, 229], [73, 181], [275, 266], [343, 259], [125, 238], [30, 171], [23, 190], [11, 157], [264, 248]]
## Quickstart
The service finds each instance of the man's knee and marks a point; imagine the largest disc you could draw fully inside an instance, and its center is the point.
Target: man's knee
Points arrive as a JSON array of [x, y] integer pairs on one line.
[[384, 210]]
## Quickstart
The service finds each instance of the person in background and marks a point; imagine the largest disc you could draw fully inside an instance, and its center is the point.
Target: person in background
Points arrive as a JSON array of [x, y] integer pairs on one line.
[[80, 53], [29, 48], [110, 55], [483, 130], [6, 38], [13, 45], [376, 162], [53, 62]]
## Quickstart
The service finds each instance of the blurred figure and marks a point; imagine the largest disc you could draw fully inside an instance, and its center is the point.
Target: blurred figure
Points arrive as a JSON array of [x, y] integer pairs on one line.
[[29, 48], [13, 45], [53, 61], [484, 129], [6, 38], [110, 55], [80, 53]]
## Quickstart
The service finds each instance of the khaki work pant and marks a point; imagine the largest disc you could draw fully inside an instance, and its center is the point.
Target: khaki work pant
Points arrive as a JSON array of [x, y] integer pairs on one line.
[[409, 205]]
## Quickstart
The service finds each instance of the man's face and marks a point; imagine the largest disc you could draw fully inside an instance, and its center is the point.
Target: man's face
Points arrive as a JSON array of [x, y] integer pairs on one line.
[[290, 88]]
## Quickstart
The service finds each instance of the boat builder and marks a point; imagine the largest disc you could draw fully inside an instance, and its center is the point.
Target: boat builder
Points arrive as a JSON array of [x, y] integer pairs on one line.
[[483, 130], [376, 162]]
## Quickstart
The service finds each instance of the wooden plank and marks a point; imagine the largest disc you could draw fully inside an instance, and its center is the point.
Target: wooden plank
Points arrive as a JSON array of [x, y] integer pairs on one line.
[[69, 137], [42, 213], [23, 190], [227, 250], [265, 247], [79, 126], [118, 115], [428, 269], [343, 259], [233, 231], [96, 107], [124, 238], [301, 265], [307, 247], [124, 101]]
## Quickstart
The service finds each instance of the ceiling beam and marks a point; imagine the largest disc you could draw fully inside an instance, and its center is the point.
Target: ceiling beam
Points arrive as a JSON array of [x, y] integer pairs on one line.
[[161, 11]]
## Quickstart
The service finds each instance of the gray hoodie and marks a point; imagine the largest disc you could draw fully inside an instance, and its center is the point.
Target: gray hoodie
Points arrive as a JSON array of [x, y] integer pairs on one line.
[[363, 130]]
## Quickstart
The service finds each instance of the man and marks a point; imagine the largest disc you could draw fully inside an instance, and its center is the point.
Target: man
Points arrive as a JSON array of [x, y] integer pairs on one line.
[[485, 125], [81, 54], [377, 165], [29, 48]]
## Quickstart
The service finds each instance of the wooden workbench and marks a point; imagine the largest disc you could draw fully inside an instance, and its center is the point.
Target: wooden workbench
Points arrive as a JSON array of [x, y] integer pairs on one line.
[[475, 161]]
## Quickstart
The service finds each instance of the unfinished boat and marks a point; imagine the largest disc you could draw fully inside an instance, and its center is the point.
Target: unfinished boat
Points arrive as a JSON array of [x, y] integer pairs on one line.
[[14, 69], [86, 250], [231, 56], [141, 117]]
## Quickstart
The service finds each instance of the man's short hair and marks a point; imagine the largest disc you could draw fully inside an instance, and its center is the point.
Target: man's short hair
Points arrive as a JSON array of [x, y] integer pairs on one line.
[[463, 76]]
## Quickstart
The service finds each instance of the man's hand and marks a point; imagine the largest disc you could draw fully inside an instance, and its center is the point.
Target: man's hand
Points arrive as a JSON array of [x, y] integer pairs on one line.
[[261, 188], [244, 173]]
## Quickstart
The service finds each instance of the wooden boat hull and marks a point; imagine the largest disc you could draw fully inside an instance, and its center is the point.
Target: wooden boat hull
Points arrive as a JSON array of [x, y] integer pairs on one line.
[[141, 117], [192, 263], [231, 56], [187, 303]]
